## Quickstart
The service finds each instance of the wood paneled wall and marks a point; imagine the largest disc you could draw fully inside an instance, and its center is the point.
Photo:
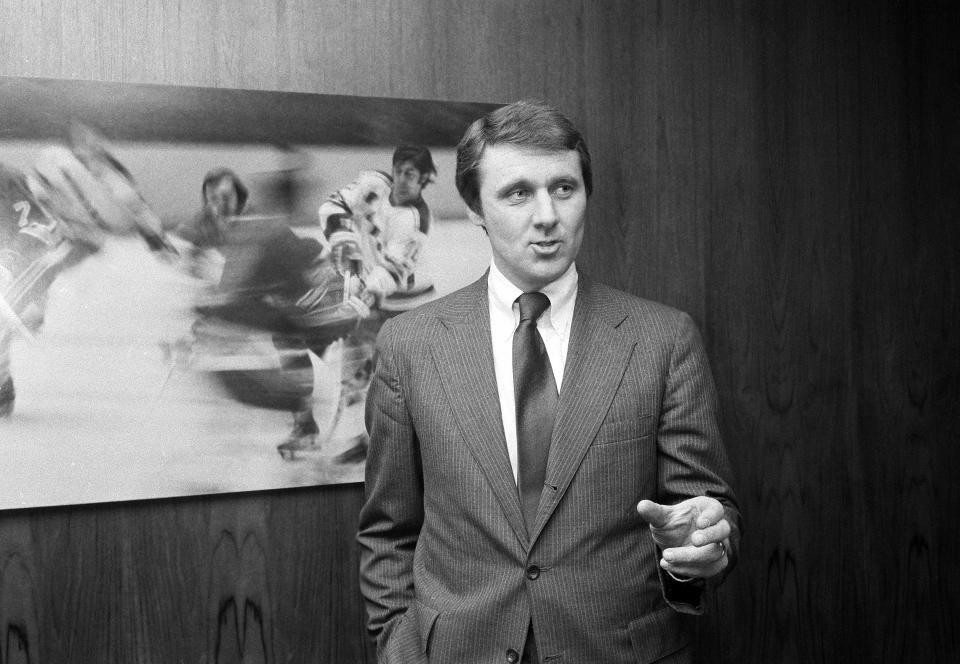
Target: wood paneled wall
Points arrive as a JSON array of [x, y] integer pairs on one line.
[[786, 172]]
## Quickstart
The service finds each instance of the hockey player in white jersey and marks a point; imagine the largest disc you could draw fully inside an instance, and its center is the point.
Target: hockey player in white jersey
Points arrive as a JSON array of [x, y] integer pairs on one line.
[[373, 231]]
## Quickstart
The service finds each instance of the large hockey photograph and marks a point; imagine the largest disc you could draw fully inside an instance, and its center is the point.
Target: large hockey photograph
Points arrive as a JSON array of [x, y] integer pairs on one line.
[[192, 280]]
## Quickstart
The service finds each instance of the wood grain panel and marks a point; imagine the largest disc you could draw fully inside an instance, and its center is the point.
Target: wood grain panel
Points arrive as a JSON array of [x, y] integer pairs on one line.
[[456, 50], [779, 276], [247, 578], [737, 327], [907, 261], [650, 146], [621, 129], [935, 98], [816, 288], [19, 601], [882, 202]]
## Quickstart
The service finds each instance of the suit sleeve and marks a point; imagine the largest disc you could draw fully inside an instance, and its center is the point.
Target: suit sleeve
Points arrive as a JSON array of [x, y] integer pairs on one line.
[[692, 460], [392, 513]]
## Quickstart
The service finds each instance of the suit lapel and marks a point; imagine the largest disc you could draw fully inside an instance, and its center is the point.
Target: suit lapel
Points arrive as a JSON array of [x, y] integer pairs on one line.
[[464, 360], [596, 360]]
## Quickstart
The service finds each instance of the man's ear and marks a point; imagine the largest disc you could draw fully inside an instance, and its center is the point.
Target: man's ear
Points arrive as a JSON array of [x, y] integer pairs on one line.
[[476, 219]]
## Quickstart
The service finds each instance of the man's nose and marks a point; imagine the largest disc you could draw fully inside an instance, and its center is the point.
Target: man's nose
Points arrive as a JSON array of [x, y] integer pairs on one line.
[[544, 211]]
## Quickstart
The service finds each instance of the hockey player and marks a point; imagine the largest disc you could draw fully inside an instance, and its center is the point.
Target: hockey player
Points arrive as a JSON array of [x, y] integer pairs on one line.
[[372, 230], [34, 250], [223, 195], [53, 216], [23, 238]]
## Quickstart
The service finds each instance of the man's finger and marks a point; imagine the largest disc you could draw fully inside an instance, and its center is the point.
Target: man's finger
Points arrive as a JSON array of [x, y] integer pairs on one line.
[[715, 533], [653, 513], [710, 511], [694, 555]]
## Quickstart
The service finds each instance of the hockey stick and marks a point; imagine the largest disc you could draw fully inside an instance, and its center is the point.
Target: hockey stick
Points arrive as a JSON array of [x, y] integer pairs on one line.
[[8, 314]]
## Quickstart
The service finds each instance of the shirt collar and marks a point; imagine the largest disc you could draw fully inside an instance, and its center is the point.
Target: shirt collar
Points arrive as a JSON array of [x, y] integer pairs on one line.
[[503, 293]]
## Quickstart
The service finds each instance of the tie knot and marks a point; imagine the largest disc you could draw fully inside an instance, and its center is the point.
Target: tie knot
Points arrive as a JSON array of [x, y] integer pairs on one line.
[[532, 305]]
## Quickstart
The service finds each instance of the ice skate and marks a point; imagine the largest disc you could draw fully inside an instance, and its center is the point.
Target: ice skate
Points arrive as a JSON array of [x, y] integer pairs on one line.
[[7, 397], [357, 450], [302, 438]]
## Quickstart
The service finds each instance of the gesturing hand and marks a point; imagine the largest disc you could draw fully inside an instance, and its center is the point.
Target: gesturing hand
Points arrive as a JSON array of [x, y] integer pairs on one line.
[[692, 535]]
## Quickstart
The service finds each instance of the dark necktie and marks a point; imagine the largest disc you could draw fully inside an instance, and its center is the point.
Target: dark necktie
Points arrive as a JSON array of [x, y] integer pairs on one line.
[[535, 391]]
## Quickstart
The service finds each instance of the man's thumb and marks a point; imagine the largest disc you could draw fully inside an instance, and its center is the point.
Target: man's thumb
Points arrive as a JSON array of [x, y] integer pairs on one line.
[[653, 513]]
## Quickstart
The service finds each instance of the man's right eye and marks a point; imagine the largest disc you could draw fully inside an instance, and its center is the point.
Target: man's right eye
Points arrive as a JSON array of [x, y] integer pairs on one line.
[[517, 195]]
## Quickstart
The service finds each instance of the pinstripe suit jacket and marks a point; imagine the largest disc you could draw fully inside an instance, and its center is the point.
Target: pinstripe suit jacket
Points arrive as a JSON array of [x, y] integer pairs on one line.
[[448, 570]]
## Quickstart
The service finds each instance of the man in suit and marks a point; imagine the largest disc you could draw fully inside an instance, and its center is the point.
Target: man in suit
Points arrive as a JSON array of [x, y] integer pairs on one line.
[[482, 538]]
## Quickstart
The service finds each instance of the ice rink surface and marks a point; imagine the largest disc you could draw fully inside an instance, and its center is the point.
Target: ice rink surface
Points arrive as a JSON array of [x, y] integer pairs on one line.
[[102, 413]]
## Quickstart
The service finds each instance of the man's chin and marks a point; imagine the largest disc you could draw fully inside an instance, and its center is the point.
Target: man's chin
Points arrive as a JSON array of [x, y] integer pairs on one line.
[[547, 273]]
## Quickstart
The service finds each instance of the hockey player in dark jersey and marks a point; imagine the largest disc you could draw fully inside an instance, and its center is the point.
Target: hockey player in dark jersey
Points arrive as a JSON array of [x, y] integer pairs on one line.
[[270, 293], [24, 237], [52, 216]]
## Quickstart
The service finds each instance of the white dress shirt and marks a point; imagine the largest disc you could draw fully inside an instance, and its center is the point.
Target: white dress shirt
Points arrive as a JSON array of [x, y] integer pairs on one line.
[[554, 326]]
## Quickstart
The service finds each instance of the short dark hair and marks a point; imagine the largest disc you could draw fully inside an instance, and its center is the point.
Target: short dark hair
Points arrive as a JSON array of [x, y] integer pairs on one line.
[[218, 174], [419, 156], [525, 123]]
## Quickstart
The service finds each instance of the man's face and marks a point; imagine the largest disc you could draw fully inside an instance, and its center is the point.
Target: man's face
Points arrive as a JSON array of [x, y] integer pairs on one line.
[[221, 198], [408, 182], [533, 208]]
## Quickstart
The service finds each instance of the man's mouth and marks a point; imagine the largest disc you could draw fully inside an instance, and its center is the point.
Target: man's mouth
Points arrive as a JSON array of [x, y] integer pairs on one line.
[[546, 246]]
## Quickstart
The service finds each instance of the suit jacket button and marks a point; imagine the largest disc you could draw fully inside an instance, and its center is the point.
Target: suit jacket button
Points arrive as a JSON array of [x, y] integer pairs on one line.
[[513, 656], [533, 572]]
